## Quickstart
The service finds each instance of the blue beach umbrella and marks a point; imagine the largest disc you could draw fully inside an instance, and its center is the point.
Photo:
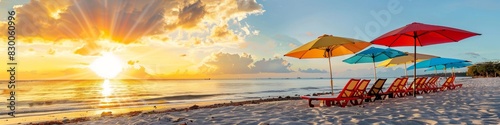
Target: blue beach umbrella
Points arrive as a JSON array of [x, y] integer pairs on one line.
[[372, 55], [451, 66], [436, 62]]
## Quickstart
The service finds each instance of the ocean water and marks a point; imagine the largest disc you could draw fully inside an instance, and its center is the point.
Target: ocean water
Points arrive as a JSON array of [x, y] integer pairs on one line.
[[53, 97]]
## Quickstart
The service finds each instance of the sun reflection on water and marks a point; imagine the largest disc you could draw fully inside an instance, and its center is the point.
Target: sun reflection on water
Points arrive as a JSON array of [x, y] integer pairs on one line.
[[107, 89]]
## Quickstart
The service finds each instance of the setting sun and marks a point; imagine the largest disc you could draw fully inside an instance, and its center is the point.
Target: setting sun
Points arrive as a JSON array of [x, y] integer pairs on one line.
[[107, 66]]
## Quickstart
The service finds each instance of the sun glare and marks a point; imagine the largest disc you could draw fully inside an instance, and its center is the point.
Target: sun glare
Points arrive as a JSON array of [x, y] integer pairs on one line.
[[107, 66], [107, 90]]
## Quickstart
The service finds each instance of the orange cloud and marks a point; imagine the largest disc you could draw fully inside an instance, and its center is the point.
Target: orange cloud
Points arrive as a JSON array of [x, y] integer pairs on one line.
[[92, 19], [222, 32], [90, 48], [135, 73], [132, 62], [127, 21]]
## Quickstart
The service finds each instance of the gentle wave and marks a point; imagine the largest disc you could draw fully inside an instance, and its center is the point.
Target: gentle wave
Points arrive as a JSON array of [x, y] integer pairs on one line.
[[186, 97]]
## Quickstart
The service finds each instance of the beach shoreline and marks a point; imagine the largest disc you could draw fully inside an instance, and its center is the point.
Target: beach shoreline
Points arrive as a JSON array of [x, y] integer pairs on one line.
[[464, 105], [151, 110]]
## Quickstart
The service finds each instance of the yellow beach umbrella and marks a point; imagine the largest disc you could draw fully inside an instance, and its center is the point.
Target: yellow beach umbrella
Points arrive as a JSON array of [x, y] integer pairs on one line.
[[327, 46], [405, 59]]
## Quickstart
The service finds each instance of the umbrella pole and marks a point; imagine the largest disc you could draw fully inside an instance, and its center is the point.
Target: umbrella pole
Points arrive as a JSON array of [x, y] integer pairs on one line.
[[374, 69], [414, 62], [406, 71], [444, 71], [453, 71], [331, 76], [435, 71]]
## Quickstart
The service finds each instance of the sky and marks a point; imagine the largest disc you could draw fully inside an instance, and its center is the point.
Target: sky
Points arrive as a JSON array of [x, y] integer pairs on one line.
[[186, 39]]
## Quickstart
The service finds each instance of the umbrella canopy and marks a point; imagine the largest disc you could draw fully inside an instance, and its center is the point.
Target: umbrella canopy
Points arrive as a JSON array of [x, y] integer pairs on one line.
[[337, 46], [327, 46], [449, 66], [373, 55], [419, 34], [437, 62], [408, 58]]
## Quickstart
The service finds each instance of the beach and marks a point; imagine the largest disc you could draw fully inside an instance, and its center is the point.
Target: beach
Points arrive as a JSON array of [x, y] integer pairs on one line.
[[476, 103], [249, 62], [49, 100]]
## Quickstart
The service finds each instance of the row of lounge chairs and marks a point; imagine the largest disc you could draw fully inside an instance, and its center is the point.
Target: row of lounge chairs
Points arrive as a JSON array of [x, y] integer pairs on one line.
[[354, 92]]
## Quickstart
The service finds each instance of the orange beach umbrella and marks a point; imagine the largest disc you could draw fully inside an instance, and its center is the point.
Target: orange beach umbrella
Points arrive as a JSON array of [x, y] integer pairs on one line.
[[327, 46]]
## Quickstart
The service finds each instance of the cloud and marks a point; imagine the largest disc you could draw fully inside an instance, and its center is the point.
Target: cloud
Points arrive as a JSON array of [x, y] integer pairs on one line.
[[248, 6], [120, 21], [9, 5], [51, 51], [276, 65], [88, 49], [226, 63], [310, 70], [472, 54], [135, 72], [128, 21], [132, 62], [219, 17], [189, 16], [476, 55], [221, 33]]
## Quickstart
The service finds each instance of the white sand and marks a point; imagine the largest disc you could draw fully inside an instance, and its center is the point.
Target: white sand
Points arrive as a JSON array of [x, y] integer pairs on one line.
[[478, 102]]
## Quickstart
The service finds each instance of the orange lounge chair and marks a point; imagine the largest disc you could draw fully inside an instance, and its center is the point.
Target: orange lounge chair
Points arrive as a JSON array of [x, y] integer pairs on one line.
[[409, 89], [449, 84], [421, 85], [343, 97], [376, 90], [431, 85], [401, 88], [361, 92]]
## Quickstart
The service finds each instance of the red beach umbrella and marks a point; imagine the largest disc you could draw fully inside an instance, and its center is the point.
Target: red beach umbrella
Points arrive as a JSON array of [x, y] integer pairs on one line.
[[419, 34]]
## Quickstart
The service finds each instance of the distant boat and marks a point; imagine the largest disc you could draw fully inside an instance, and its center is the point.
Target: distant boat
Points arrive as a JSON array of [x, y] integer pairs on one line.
[[298, 77]]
